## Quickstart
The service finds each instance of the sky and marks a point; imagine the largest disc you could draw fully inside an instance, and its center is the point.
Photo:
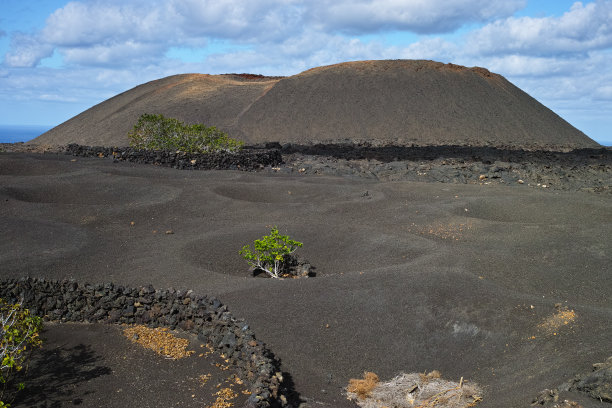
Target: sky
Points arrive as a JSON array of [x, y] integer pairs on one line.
[[58, 57]]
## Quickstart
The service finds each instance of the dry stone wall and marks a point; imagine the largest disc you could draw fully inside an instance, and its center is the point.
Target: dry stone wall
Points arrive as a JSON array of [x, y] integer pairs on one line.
[[207, 317], [245, 159]]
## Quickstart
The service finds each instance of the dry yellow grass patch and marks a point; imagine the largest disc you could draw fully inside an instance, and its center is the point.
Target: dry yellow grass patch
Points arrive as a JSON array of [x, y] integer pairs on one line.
[[426, 377], [363, 388], [159, 340]]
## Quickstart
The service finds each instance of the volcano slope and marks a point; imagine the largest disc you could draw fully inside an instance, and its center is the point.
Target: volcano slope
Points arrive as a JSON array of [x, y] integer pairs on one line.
[[193, 98], [504, 286], [400, 102]]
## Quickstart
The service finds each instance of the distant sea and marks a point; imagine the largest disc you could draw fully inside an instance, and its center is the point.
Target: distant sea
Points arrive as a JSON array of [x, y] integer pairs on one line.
[[21, 133], [25, 133]]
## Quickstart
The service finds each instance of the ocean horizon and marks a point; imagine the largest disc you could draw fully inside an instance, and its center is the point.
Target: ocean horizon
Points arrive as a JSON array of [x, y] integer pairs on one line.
[[25, 133], [21, 133]]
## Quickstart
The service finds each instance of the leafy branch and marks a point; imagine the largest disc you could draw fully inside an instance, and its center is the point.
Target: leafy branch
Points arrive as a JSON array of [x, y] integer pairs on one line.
[[270, 252], [18, 331], [156, 132]]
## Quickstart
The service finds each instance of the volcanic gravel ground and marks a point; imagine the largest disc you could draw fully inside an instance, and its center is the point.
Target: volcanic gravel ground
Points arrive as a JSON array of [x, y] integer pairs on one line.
[[467, 279], [95, 365]]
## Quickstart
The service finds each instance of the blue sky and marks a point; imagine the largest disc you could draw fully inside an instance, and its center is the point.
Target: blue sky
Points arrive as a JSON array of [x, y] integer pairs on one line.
[[58, 58]]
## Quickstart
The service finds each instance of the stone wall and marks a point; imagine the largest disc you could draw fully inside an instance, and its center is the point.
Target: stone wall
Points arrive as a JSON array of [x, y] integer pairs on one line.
[[483, 154], [245, 159], [69, 301]]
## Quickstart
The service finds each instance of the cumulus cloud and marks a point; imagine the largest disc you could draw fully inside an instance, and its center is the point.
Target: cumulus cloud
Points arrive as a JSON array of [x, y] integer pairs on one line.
[[100, 32], [103, 32], [57, 98], [515, 65], [86, 86], [574, 82], [116, 55], [420, 16], [431, 48], [246, 21], [26, 51], [82, 24], [582, 28], [297, 54], [603, 93]]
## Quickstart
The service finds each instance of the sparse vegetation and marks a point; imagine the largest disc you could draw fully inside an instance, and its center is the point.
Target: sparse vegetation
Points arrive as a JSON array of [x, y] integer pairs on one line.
[[156, 132], [270, 252], [19, 333], [362, 388], [413, 391]]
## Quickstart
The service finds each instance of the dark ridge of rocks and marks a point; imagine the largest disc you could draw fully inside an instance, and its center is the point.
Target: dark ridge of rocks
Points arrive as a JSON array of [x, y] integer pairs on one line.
[[578, 170], [246, 159], [588, 169], [596, 384], [484, 154], [207, 317]]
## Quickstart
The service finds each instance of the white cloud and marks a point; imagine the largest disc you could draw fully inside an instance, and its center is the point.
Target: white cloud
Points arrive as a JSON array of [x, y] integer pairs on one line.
[[603, 93], [100, 32], [81, 24], [57, 98], [248, 21], [117, 55], [294, 55], [107, 32], [26, 51], [575, 82], [516, 65], [420, 16], [582, 28], [431, 48], [85, 86]]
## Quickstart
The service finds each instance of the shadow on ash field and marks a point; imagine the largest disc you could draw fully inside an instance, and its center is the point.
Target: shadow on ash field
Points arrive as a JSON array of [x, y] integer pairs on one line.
[[411, 276]]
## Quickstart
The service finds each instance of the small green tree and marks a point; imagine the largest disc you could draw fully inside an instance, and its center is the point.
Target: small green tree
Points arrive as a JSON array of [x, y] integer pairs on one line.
[[270, 252], [156, 132], [19, 331]]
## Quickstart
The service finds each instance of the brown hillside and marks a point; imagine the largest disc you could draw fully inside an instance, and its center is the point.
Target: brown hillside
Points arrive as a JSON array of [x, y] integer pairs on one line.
[[216, 100], [380, 102], [404, 102]]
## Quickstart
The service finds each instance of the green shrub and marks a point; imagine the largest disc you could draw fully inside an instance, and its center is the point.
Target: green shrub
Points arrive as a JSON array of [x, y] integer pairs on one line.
[[270, 252], [156, 132], [19, 332]]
